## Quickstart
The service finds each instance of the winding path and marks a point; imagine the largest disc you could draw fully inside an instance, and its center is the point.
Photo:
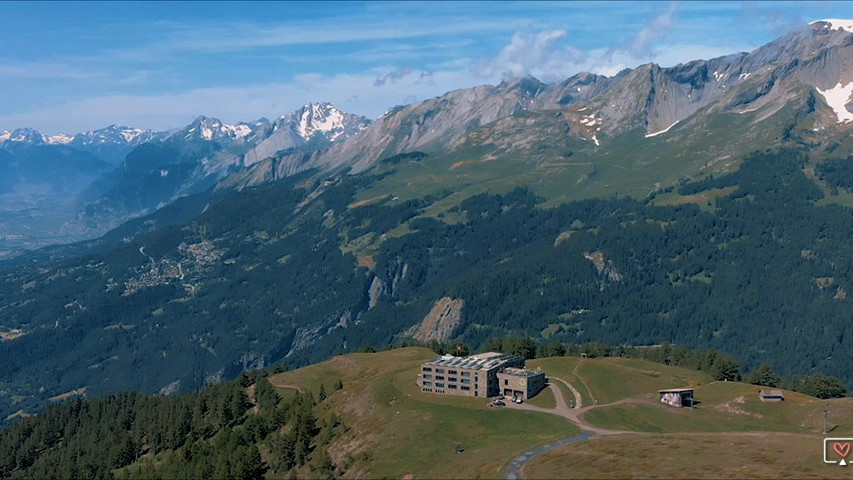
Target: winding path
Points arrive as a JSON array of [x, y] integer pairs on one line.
[[513, 470], [284, 385], [516, 465]]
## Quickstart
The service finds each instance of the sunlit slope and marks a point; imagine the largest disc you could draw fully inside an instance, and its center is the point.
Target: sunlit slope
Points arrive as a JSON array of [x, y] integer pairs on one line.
[[395, 430]]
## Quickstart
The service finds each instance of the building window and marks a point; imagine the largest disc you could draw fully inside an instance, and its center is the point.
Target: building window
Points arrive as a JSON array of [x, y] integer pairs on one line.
[[426, 375], [506, 382], [465, 388], [427, 383], [452, 372], [476, 393], [466, 374], [427, 369], [439, 385], [451, 379], [439, 377], [466, 380], [452, 387], [439, 370]]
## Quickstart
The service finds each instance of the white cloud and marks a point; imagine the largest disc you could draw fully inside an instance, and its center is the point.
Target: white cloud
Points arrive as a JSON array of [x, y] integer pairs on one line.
[[392, 76], [531, 53], [546, 55], [658, 28]]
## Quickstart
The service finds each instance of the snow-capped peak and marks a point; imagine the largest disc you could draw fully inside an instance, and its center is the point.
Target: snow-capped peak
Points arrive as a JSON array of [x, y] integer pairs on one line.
[[5, 135], [60, 139], [321, 118], [212, 128], [27, 135], [837, 24]]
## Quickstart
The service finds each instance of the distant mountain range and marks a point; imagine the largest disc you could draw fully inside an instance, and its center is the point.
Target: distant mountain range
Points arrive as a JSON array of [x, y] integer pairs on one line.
[[72, 174]]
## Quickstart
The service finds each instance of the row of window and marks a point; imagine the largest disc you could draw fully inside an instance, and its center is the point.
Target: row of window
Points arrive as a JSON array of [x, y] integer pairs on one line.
[[427, 376], [449, 372], [441, 385], [429, 390]]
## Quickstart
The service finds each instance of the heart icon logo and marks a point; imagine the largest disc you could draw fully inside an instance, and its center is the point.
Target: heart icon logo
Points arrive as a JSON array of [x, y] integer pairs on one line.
[[841, 449]]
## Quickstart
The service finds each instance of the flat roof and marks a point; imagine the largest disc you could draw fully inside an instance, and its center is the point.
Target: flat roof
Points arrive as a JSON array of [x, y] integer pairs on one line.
[[676, 390], [771, 393], [520, 372], [482, 361]]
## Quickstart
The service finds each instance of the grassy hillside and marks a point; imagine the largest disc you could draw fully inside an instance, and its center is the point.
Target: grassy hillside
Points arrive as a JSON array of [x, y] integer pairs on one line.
[[395, 430], [730, 433], [723, 456], [369, 420]]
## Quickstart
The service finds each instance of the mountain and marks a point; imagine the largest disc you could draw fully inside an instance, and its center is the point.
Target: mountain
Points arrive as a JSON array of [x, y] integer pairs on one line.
[[110, 144], [27, 136], [790, 90], [200, 155], [704, 205], [113, 143], [150, 169], [295, 137], [310, 123]]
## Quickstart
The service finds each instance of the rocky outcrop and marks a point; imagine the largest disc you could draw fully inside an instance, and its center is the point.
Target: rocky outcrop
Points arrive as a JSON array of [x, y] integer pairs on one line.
[[440, 323]]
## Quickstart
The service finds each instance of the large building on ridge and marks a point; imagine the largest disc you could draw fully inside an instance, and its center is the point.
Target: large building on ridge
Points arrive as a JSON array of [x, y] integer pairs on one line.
[[477, 375]]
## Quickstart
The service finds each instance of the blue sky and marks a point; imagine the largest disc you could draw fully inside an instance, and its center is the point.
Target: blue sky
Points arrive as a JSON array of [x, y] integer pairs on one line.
[[75, 66]]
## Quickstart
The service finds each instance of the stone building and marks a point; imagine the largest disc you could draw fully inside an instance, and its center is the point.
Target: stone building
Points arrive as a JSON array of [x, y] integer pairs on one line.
[[520, 383], [474, 376]]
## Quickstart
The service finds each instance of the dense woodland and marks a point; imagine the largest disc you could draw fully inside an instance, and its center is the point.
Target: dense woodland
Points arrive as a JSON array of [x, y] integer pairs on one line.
[[215, 433], [762, 274]]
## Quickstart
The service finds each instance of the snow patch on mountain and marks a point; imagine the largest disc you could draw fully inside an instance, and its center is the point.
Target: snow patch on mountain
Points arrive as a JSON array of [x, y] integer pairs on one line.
[[837, 98], [60, 139], [6, 135], [130, 135], [213, 129], [241, 130], [837, 24], [655, 134]]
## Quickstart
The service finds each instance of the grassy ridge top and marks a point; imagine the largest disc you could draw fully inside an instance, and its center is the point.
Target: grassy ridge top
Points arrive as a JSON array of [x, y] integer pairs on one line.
[[395, 430]]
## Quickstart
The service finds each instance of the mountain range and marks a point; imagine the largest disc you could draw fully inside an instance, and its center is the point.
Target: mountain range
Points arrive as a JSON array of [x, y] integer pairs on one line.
[[116, 173], [704, 204]]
